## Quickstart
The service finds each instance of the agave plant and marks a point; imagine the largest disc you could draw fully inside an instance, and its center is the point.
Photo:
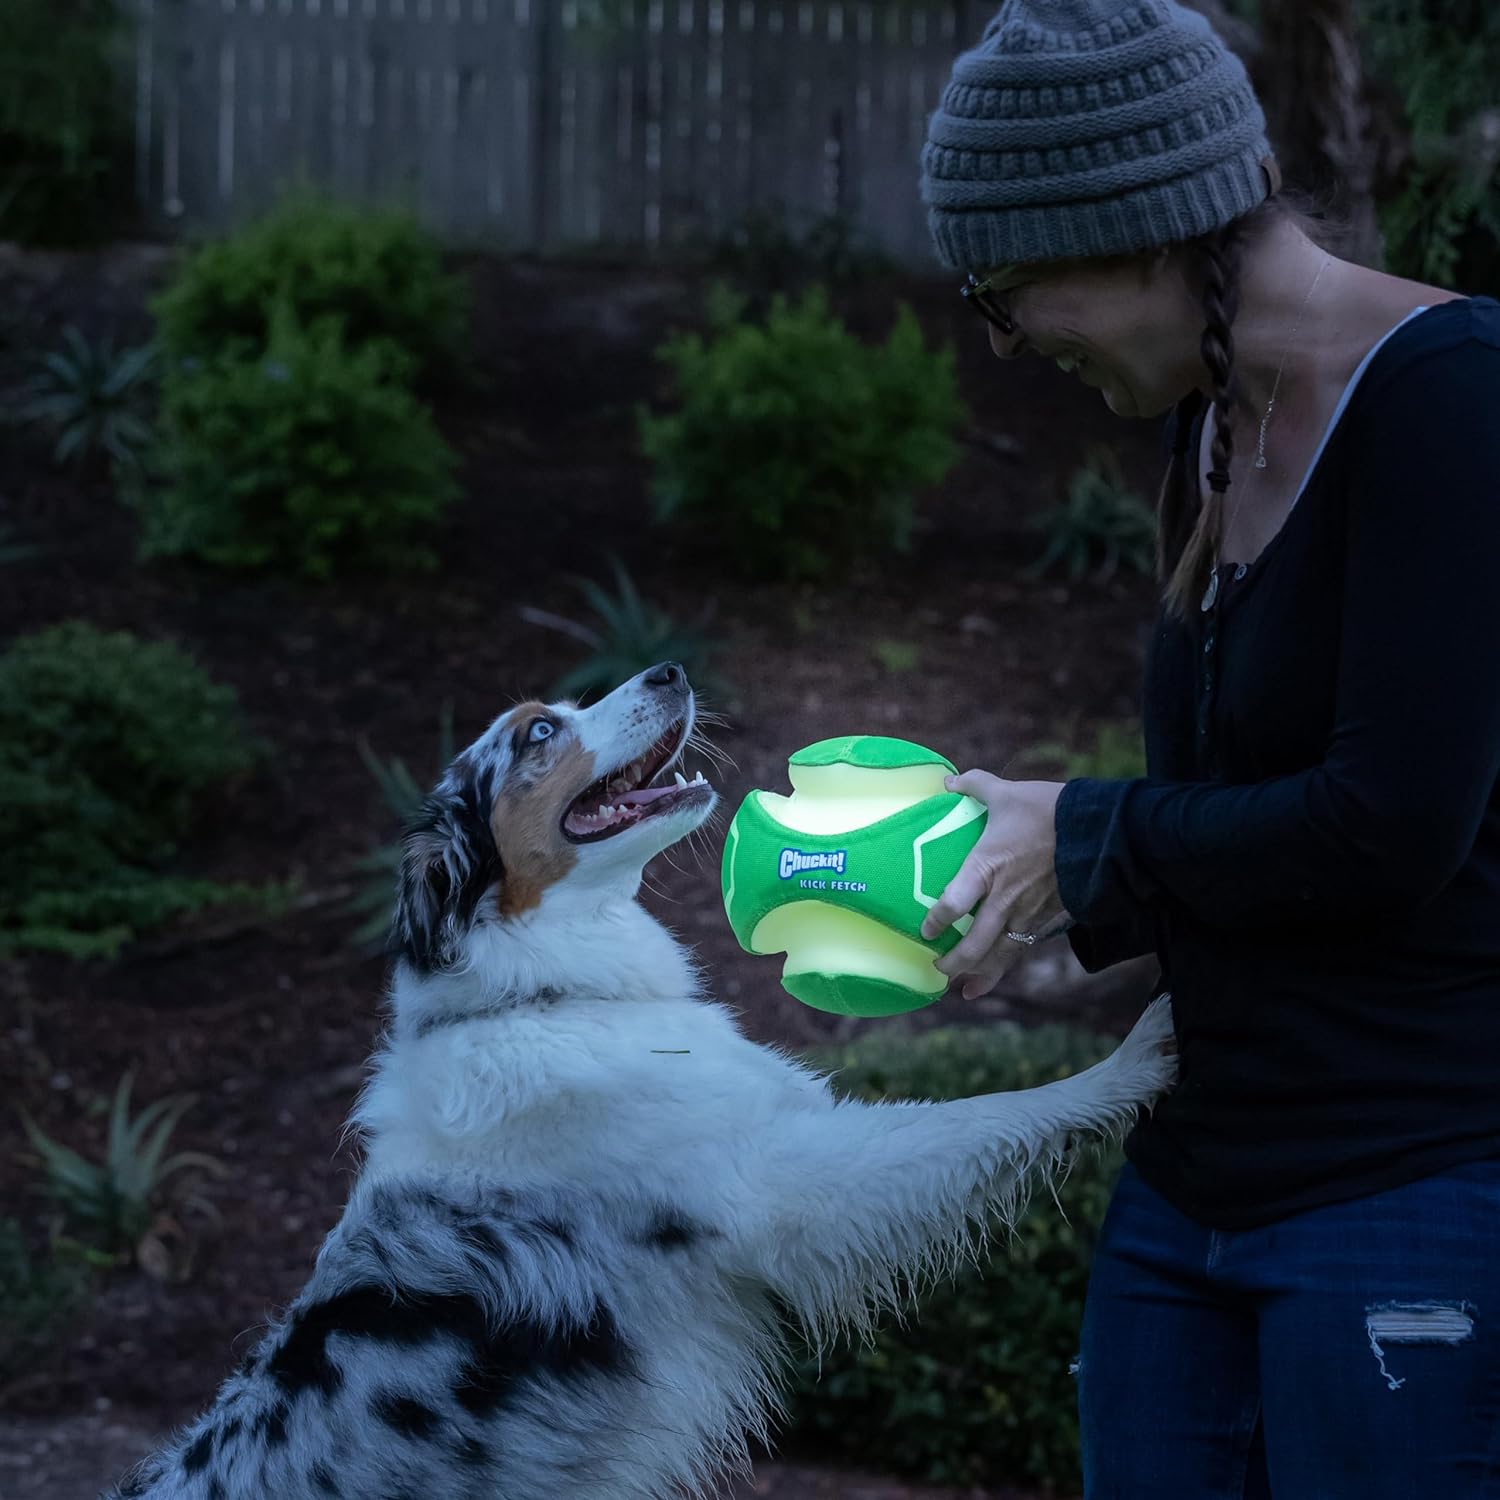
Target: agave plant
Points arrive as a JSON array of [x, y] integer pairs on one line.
[[92, 397], [115, 1202], [631, 635], [1100, 525], [403, 795]]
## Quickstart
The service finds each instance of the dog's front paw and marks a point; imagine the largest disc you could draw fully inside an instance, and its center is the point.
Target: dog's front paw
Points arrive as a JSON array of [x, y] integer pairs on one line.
[[1149, 1054]]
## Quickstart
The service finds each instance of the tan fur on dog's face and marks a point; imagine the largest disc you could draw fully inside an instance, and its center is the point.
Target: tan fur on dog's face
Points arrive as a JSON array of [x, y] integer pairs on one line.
[[526, 817]]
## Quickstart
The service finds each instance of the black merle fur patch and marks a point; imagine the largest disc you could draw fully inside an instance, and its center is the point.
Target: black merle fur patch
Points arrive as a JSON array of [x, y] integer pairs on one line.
[[529, 1348], [215, 1488], [302, 1362], [495, 1360], [196, 1455], [671, 1230], [485, 1239], [449, 861], [324, 1480], [404, 1414], [366, 1312], [271, 1425]]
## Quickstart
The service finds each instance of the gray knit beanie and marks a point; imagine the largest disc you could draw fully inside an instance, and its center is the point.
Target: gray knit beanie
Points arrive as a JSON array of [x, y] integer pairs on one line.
[[1090, 127]]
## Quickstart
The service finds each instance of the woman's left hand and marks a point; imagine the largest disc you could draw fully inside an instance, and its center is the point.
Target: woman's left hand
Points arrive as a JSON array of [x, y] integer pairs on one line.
[[1010, 874]]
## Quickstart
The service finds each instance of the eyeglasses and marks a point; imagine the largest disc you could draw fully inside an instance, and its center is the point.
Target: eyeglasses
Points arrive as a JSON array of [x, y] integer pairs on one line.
[[982, 297]]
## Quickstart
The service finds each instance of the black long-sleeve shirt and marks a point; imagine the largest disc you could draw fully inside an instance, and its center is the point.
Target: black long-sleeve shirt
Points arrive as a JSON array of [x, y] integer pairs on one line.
[[1314, 854]]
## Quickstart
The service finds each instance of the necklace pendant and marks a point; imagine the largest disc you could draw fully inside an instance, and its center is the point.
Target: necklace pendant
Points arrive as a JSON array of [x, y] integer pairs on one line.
[[1211, 593], [1260, 463]]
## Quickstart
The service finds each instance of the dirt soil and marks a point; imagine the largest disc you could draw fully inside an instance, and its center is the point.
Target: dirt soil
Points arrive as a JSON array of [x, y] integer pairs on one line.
[[268, 1022]]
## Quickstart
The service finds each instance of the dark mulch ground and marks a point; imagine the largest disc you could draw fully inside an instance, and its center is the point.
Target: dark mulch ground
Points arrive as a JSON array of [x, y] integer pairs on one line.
[[268, 1023]]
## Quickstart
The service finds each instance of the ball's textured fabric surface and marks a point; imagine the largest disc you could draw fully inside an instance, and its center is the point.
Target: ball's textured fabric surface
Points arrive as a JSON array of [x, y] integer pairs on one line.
[[1080, 128], [840, 874]]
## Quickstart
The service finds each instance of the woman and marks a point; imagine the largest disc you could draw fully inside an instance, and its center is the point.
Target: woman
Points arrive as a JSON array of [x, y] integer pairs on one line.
[[1297, 1287]]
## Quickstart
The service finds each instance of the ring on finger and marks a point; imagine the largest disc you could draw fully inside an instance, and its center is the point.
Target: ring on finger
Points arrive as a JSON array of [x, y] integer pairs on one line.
[[1028, 938]]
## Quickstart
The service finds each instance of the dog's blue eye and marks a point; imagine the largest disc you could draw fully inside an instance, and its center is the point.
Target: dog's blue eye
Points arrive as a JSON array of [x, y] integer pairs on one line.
[[541, 730]]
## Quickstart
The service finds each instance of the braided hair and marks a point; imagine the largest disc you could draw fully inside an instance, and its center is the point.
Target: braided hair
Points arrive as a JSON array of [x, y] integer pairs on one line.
[[1189, 532]]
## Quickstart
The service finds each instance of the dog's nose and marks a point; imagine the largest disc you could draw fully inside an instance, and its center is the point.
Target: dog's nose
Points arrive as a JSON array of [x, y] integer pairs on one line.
[[668, 674]]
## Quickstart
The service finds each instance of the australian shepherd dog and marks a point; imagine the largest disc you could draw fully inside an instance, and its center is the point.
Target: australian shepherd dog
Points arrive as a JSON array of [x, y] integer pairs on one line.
[[591, 1213]]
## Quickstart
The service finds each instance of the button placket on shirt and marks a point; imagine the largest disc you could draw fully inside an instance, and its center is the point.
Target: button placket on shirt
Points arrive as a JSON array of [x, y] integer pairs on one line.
[[1209, 681]]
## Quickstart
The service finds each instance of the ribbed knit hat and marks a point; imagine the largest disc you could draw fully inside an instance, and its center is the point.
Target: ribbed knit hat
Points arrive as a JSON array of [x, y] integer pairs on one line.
[[1090, 127]]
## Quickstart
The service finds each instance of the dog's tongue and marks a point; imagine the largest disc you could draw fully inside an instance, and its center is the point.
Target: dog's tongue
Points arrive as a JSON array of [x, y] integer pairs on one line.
[[643, 795]]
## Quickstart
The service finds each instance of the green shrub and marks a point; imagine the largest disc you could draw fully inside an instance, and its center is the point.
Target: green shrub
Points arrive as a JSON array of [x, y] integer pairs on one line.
[[796, 442], [1100, 525], [107, 743], [114, 1202], [975, 1389], [93, 399], [311, 456], [377, 276], [64, 126], [39, 1299], [1443, 223]]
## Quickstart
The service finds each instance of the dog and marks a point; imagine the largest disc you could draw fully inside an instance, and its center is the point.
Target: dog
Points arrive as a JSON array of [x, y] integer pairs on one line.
[[591, 1214]]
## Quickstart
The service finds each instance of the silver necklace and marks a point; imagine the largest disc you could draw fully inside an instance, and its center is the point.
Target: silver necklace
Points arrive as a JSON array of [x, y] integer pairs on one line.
[[1211, 593]]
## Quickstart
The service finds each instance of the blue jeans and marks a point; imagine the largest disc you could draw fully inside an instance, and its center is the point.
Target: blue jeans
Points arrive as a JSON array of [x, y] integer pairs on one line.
[[1344, 1353]]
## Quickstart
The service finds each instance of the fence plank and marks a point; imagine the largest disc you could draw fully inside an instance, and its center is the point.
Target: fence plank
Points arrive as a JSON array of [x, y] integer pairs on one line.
[[625, 185], [548, 124]]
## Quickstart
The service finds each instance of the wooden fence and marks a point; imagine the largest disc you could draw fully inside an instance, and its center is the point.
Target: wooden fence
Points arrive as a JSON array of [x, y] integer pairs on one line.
[[548, 125]]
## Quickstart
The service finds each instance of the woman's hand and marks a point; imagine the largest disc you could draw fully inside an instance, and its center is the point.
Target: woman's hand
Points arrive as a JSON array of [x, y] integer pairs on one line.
[[1010, 874]]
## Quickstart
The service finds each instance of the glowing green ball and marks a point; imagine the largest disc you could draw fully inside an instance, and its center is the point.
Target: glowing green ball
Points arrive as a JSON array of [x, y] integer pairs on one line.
[[839, 875]]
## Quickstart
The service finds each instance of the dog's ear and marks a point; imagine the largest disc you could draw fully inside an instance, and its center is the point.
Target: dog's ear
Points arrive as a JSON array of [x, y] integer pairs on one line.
[[448, 862]]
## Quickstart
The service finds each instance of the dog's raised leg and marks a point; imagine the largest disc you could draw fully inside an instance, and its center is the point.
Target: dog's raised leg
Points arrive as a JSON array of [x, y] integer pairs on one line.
[[857, 1195]]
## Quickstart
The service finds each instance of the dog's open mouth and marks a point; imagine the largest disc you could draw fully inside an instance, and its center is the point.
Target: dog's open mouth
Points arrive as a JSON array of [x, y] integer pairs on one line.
[[626, 797]]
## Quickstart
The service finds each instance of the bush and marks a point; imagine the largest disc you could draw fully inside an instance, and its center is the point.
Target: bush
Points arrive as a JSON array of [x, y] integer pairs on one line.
[[976, 1388], [38, 1301], [1443, 224], [106, 744], [309, 456], [1100, 525], [292, 435], [64, 130], [377, 276], [802, 446]]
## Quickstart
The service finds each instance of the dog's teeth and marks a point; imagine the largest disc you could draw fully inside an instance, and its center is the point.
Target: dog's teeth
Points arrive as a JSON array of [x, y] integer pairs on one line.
[[698, 779], [681, 779]]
